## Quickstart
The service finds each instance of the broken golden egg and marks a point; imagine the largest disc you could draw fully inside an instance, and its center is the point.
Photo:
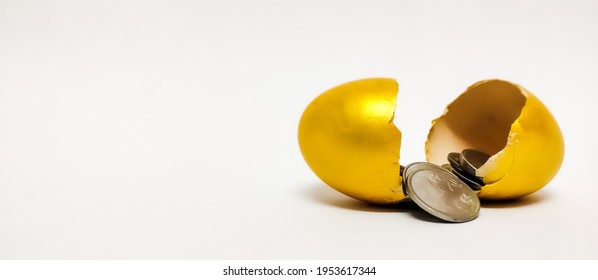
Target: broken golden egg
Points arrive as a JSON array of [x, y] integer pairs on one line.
[[348, 139], [508, 122]]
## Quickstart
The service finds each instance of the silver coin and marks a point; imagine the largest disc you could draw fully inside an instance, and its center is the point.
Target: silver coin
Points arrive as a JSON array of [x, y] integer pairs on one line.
[[412, 168], [441, 193], [473, 182], [406, 172], [454, 160], [471, 160]]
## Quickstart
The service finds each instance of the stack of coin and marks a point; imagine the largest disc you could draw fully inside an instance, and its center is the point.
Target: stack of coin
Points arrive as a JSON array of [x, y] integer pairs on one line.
[[439, 192], [448, 191], [465, 165]]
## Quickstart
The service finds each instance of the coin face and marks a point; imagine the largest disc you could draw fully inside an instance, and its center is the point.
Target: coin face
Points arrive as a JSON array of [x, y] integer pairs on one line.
[[412, 168], [407, 171], [441, 194]]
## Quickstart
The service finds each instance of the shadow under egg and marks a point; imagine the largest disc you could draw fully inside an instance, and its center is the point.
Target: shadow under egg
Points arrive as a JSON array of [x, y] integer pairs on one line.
[[517, 202], [325, 195]]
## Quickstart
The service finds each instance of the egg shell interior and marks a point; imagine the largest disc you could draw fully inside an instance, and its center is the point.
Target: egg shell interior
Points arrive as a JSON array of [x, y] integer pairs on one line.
[[480, 119]]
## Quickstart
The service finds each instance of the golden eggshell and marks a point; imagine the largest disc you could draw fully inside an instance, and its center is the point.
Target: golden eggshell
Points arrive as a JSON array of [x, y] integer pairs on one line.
[[508, 122], [348, 139]]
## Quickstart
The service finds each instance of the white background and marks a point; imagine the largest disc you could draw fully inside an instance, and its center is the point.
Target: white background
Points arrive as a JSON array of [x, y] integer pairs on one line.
[[167, 129]]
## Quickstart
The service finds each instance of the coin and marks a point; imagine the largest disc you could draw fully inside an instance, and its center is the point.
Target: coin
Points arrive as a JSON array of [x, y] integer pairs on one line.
[[405, 172], [441, 193], [412, 168], [472, 159], [474, 183], [454, 160]]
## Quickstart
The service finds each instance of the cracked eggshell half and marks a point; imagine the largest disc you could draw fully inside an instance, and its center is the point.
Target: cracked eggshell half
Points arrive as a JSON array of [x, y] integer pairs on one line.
[[348, 139], [508, 122]]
